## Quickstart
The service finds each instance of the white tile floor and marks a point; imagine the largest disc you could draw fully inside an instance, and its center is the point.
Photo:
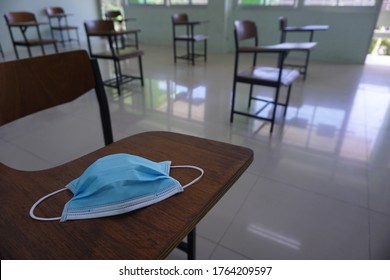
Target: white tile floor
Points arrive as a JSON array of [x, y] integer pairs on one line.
[[319, 187]]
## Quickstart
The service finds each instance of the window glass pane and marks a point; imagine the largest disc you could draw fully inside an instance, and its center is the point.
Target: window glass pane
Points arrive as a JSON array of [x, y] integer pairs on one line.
[[135, 1], [355, 3], [280, 2], [169, 2], [178, 2], [155, 2], [150, 2], [268, 2], [200, 2], [320, 2], [188, 2], [251, 2]]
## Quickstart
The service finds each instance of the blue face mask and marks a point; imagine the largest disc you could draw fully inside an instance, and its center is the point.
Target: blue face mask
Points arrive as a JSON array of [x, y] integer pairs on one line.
[[117, 184]]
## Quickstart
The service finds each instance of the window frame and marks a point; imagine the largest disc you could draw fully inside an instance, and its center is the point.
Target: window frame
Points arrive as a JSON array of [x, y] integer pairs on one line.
[[265, 5], [339, 5], [167, 3], [301, 4]]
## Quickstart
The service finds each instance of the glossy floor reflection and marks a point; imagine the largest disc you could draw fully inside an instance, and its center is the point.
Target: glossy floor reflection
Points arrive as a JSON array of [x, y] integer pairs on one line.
[[319, 187]]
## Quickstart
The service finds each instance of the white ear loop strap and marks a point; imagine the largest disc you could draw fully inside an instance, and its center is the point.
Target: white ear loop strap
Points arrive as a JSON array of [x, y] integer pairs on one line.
[[192, 167], [32, 215]]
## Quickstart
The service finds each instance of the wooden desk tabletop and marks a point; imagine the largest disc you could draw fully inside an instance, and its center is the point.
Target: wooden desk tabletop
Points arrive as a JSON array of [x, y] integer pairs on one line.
[[148, 233]]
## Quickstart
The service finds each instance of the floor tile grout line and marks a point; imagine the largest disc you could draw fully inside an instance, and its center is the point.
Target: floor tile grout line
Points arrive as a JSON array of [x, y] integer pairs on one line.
[[235, 215]]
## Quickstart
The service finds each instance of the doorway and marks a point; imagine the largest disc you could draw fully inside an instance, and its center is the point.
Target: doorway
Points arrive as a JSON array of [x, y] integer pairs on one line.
[[379, 51]]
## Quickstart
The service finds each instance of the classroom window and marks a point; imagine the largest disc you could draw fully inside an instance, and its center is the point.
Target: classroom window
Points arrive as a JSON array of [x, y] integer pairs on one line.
[[340, 3], [188, 2], [148, 2], [268, 2], [386, 5], [168, 2]]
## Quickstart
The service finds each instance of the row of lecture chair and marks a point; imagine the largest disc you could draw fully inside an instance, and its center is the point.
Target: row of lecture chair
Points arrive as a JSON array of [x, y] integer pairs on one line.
[[58, 21], [276, 77], [23, 21]]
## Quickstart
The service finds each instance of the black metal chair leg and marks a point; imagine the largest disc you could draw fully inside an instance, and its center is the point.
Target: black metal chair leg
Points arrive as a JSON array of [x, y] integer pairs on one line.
[[191, 241], [287, 101], [233, 101], [190, 246], [306, 64], [141, 70]]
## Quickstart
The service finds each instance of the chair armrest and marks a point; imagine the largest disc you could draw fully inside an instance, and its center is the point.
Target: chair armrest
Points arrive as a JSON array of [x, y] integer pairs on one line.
[[114, 33], [196, 22], [266, 49], [27, 24], [60, 15]]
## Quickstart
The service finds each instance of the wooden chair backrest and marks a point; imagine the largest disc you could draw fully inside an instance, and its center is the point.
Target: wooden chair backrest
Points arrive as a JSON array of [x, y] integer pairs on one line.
[[34, 84], [113, 14], [179, 18], [31, 85], [97, 26], [15, 17], [51, 11], [245, 30]]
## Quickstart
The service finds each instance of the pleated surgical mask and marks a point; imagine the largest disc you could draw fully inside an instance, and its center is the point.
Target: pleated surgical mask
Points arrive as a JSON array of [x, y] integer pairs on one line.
[[117, 184]]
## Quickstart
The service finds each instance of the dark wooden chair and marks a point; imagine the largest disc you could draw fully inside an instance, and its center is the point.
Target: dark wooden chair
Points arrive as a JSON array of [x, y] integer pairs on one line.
[[120, 24], [58, 21], [22, 21], [179, 22], [42, 82], [116, 53], [259, 74]]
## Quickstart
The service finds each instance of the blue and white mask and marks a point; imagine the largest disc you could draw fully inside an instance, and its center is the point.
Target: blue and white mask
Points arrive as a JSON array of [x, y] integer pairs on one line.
[[117, 184]]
